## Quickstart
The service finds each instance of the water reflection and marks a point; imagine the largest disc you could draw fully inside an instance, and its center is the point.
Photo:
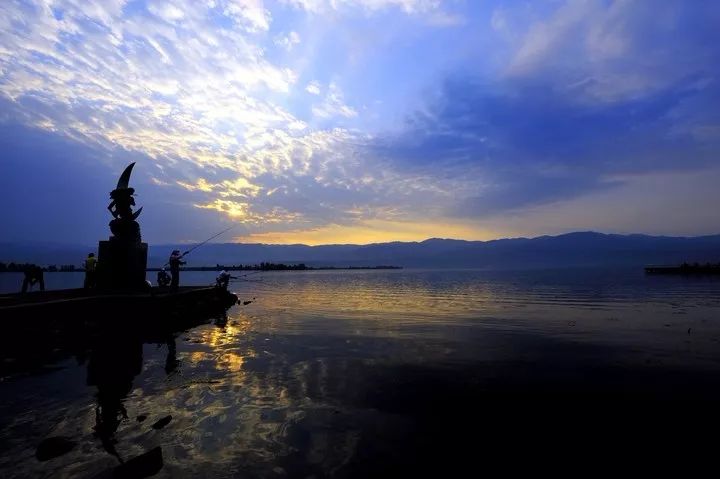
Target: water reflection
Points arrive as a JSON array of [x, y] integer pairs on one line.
[[111, 369], [365, 375], [171, 361]]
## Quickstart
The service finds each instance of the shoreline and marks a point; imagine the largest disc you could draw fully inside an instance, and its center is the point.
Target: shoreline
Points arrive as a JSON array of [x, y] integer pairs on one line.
[[234, 268]]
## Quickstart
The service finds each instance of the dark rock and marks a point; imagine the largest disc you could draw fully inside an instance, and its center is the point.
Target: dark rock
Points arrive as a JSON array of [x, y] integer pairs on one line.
[[53, 447], [245, 303], [141, 418], [162, 422], [145, 465]]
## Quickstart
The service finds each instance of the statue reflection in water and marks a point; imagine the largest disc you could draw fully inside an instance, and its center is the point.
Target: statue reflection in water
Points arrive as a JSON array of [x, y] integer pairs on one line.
[[113, 365], [171, 361]]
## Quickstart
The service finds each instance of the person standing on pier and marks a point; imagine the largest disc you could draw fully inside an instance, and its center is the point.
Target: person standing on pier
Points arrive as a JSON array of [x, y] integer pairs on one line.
[[90, 268], [175, 261]]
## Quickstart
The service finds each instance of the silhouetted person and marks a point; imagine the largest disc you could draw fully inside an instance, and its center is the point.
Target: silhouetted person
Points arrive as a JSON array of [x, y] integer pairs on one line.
[[33, 274], [90, 268], [163, 279], [223, 279], [175, 261]]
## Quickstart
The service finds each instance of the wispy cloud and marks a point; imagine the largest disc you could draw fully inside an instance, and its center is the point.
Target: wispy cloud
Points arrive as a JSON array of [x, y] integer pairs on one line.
[[287, 41], [408, 6], [612, 52], [333, 104], [313, 88]]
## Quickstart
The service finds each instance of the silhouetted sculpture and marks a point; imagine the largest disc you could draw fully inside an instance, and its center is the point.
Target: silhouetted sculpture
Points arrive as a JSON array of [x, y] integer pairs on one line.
[[123, 258], [124, 226]]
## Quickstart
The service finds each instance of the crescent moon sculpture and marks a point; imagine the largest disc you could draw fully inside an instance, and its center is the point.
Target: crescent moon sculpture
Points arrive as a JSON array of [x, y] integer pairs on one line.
[[137, 213], [124, 181], [124, 226]]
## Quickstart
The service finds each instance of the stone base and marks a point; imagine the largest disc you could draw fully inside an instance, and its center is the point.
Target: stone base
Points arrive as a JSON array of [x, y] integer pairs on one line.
[[121, 265]]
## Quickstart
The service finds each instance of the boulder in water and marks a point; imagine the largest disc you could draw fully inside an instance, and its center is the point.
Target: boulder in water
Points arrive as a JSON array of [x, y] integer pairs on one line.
[[53, 447], [161, 423], [144, 465]]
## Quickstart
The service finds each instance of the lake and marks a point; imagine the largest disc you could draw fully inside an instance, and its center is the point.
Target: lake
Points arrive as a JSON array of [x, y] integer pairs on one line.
[[368, 373]]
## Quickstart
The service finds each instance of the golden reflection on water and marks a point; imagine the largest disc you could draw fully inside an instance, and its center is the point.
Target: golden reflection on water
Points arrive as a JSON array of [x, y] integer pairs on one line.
[[283, 374], [227, 332], [223, 345], [372, 298]]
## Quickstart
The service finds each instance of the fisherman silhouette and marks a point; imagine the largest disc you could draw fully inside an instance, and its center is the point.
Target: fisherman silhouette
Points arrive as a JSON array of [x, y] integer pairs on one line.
[[33, 274], [175, 261], [90, 268], [223, 279], [163, 279]]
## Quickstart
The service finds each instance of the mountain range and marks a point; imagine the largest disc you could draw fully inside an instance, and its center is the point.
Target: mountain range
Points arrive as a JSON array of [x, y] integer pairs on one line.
[[567, 250]]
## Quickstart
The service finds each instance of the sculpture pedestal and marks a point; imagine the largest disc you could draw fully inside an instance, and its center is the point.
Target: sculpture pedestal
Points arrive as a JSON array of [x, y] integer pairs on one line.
[[122, 265]]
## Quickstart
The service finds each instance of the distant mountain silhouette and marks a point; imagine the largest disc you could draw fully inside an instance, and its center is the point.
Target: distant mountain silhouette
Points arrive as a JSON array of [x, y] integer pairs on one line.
[[568, 250]]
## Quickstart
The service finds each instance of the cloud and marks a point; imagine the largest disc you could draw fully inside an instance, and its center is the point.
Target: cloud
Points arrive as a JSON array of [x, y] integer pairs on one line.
[[407, 6], [201, 185], [508, 147], [124, 79], [189, 85], [313, 88], [638, 203], [249, 14], [288, 41], [604, 52], [445, 19], [333, 104], [61, 190], [371, 231], [523, 107]]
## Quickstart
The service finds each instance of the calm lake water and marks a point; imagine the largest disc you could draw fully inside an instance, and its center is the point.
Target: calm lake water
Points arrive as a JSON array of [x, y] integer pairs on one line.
[[367, 373]]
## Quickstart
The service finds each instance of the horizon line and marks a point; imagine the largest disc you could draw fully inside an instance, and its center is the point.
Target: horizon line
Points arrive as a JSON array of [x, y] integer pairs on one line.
[[389, 242]]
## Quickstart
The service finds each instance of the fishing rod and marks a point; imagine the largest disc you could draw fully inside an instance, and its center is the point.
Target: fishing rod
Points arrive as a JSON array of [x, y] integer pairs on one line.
[[210, 238], [200, 244], [242, 276]]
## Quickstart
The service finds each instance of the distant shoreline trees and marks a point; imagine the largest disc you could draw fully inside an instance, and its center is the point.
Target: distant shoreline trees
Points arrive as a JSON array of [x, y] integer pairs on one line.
[[13, 267], [264, 266], [22, 267]]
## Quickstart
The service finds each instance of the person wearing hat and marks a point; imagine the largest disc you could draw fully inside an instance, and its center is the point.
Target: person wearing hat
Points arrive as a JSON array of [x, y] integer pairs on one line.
[[175, 261], [90, 268], [223, 279]]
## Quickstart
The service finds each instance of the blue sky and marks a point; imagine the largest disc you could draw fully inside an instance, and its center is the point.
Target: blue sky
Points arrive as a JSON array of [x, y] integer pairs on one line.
[[336, 121]]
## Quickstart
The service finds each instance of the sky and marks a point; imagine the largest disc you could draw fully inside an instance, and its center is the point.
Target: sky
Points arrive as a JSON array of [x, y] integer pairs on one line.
[[360, 121]]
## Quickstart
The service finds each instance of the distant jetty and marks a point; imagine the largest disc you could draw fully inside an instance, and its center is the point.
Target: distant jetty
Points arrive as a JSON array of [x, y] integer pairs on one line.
[[685, 269]]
